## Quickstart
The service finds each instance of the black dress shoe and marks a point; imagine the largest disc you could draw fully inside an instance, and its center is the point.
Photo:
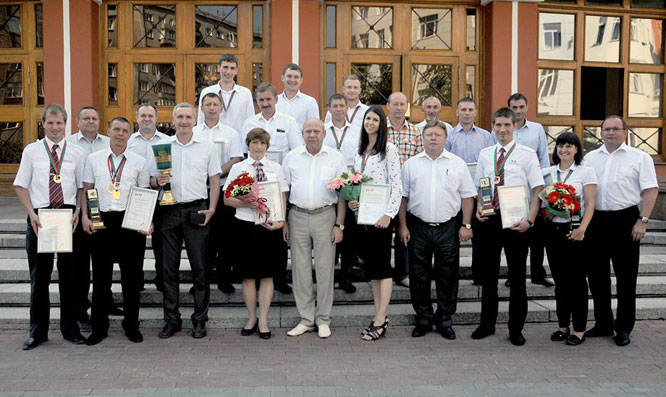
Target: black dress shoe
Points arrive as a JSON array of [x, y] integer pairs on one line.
[[544, 281], [517, 339], [169, 330], [116, 311], [283, 288], [507, 283], [594, 332], [483, 332], [33, 342], [134, 336], [227, 288], [248, 332], [447, 333], [421, 330], [76, 339], [347, 287], [199, 330], [265, 335], [622, 339], [95, 338], [573, 340], [559, 336]]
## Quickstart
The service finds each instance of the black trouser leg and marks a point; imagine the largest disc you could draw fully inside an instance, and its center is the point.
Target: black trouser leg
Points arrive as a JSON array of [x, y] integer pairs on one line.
[[625, 256], [172, 242], [447, 263], [536, 243], [477, 254], [515, 249], [40, 278], [196, 239], [401, 257], [421, 249], [598, 260], [491, 241], [106, 244], [131, 278], [156, 243], [348, 248], [82, 245], [221, 242]]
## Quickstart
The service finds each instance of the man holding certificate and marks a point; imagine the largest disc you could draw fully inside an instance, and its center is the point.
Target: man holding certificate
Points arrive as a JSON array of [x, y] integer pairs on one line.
[[50, 177], [508, 170], [112, 172], [435, 186]]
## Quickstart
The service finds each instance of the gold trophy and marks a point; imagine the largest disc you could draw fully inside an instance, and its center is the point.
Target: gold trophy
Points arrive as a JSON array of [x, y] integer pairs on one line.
[[487, 207], [162, 154], [93, 209]]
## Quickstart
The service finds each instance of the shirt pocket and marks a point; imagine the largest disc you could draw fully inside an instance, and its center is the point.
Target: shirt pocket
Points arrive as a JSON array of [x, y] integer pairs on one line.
[[278, 139], [514, 175]]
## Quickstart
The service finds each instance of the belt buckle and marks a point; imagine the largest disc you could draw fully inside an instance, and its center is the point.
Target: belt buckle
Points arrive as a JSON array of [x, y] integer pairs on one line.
[[433, 224]]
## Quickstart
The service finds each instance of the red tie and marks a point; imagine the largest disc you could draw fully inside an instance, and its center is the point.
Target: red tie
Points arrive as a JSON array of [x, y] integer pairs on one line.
[[55, 189], [501, 178]]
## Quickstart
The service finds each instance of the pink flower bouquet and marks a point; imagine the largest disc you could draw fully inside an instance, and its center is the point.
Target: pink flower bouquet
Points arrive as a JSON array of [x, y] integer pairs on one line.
[[348, 184]]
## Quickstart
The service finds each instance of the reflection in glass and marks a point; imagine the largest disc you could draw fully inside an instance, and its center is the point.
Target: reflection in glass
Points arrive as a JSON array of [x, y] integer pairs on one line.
[[330, 80], [166, 128], [647, 41], [471, 29], [645, 95], [431, 28], [552, 132], [556, 36], [154, 26], [605, 2], [372, 27], [10, 26], [591, 138], [216, 26], [11, 142], [645, 139], [602, 38], [155, 83], [330, 26], [39, 26], [40, 130], [648, 3], [11, 84], [112, 82], [111, 25], [555, 92], [205, 74], [470, 81], [40, 83], [431, 80], [376, 80], [257, 75], [257, 26]]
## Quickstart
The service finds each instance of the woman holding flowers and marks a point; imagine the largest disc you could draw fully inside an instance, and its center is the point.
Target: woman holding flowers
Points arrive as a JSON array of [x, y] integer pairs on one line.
[[569, 209], [378, 159], [256, 255]]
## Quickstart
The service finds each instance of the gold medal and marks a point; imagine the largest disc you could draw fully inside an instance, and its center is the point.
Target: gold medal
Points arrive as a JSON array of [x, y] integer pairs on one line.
[[497, 180], [116, 195], [110, 188], [57, 178]]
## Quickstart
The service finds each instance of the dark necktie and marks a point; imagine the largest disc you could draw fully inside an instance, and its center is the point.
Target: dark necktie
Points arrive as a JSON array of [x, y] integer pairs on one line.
[[500, 159], [55, 189], [261, 177]]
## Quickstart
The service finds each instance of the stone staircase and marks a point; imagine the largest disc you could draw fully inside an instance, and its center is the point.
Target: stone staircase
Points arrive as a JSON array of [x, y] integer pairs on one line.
[[354, 310]]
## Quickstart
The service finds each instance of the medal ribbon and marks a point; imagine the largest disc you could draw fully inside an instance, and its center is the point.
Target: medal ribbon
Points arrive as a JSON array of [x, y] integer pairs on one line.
[[351, 120], [499, 169], [565, 178], [57, 165], [225, 107], [364, 162], [116, 173], [342, 138]]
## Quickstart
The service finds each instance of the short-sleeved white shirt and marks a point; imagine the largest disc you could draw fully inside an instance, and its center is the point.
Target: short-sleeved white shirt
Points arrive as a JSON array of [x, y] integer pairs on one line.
[[100, 142], [144, 147], [301, 107], [579, 177], [346, 137], [224, 133], [240, 108], [282, 128], [354, 115]]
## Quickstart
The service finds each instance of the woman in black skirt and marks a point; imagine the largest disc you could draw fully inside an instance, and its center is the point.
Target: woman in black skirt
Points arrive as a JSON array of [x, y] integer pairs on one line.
[[258, 244]]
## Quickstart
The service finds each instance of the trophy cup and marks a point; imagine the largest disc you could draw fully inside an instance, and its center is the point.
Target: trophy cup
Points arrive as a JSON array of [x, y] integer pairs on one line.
[[487, 207], [93, 209], [162, 154]]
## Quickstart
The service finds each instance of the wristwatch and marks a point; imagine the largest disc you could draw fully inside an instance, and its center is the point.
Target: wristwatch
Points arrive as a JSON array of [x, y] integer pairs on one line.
[[339, 226], [468, 226], [644, 219], [530, 222]]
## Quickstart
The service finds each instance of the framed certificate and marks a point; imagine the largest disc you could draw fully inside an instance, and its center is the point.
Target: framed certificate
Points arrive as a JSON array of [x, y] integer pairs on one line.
[[222, 146], [140, 209], [514, 204], [373, 203], [271, 192], [55, 235], [274, 155]]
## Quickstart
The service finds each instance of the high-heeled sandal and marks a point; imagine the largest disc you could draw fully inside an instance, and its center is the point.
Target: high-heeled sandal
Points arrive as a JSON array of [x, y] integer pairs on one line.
[[372, 324], [376, 331]]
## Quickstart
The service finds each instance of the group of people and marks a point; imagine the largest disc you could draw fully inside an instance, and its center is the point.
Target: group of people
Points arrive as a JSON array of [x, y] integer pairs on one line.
[[434, 203]]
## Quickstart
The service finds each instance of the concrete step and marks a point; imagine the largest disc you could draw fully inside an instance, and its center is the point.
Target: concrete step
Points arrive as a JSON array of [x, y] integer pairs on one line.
[[341, 316], [18, 294]]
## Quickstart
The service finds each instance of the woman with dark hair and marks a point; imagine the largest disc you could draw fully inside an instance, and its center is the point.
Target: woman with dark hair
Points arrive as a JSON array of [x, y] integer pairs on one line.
[[378, 159], [564, 245]]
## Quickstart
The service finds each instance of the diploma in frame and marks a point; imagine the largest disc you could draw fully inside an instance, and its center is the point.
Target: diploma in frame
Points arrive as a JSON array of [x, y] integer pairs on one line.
[[373, 203], [274, 155], [140, 209], [270, 191], [514, 204], [55, 235]]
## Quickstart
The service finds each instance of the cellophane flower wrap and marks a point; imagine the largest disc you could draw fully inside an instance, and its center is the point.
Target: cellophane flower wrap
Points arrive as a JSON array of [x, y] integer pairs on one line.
[[561, 200], [348, 184], [245, 188]]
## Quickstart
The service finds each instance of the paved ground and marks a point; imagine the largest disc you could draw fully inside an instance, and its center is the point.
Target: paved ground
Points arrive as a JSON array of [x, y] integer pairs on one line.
[[225, 363]]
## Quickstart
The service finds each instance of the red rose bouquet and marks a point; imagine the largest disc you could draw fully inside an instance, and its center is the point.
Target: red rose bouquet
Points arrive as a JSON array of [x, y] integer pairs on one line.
[[348, 184], [561, 200], [244, 188]]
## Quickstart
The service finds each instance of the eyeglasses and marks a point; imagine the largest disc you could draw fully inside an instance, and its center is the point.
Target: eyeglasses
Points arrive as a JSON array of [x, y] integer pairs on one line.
[[612, 129]]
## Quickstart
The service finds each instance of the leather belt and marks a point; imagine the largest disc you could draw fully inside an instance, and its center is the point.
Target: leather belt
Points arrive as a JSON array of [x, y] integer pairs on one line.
[[312, 212]]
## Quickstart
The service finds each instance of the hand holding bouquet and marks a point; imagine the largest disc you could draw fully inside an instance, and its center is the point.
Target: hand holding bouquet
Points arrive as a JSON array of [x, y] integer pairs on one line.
[[561, 200], [244, 188]]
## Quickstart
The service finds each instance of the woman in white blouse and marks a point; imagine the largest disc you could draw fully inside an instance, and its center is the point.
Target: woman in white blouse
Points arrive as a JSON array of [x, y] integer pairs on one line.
[[378, 159], [564, 244], [264, 241]]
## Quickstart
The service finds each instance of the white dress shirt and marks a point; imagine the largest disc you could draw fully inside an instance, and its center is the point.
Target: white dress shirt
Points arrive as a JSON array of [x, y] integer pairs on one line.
[[282, 128], [384, 171], [134, 173], [100, 142], [435, 188], [354, 115], [301, 107], [273, 172], [533, 136], [240, 108], [191, 164], [622, 176], [348, 137], [34, 172], [577, 176], [421, 126], [138, 144], [521, 168], [308, 176], [226, 134]]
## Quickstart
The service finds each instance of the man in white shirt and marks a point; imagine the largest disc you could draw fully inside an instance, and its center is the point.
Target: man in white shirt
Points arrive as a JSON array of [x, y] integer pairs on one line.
[[351, 89], [431, 108], [194, 162], [49, 176], [237, 104], [221, 241], [436, 185], [506, 164], [112, 173], [292, 101], [313, 224], [626, 193]]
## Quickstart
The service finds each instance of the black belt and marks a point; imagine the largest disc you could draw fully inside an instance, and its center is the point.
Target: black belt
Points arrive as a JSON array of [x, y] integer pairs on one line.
[[622, 211], [431, 224], [188, 204]]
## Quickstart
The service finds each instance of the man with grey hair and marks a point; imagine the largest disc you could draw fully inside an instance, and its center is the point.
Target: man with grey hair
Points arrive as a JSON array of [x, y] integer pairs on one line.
[[431, 108], [194, 162]]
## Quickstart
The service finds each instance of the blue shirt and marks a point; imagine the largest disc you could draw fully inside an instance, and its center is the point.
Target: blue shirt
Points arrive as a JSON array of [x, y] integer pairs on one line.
[[467, 145], [533, 136]]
